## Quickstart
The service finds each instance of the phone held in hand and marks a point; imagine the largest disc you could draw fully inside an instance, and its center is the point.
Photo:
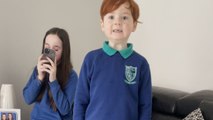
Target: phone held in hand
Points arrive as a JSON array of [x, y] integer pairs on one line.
[[49, 53]]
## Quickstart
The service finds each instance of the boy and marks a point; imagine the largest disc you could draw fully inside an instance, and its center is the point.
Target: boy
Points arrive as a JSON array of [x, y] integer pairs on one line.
[[115, 81]]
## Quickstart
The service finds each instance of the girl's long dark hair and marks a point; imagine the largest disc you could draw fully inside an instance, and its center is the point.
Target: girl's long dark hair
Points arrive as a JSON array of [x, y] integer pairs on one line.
[[63, 68]]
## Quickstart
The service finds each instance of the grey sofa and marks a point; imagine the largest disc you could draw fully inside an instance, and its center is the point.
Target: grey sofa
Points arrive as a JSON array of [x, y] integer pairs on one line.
[[171, 104]]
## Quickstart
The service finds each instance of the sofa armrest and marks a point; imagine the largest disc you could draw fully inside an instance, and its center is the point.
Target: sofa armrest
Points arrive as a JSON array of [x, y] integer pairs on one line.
[[164, 99], [207, 109], [190, 102]]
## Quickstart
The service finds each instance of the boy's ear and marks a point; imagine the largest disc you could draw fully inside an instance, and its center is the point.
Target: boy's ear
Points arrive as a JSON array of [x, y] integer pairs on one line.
[[134, 26], [102, 25]]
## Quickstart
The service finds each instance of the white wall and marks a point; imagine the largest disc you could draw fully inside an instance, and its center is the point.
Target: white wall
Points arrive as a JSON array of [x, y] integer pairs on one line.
[[177, 38], [23, 25]]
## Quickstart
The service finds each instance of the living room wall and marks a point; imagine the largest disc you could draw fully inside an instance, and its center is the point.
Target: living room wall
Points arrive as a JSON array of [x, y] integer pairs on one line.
[[176, 37]]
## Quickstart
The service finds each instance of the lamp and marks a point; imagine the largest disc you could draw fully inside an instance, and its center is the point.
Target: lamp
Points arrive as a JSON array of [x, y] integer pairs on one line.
[[7, 98]]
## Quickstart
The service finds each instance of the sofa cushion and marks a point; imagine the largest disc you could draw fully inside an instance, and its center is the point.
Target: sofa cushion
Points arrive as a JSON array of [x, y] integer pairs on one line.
[[161, 116], [195, 115], [192, 101], [164, 99], [207, 109]]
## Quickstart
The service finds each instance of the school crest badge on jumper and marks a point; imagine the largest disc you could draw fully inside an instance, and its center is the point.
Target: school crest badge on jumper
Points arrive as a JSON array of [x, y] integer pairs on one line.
[[130, 73]]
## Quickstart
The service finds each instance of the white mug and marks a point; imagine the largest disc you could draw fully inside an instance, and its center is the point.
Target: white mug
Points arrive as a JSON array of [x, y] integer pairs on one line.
[[7, 98]]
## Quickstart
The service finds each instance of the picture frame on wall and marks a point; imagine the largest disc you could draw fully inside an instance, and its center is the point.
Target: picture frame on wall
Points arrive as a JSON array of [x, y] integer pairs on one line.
[[10, 114]]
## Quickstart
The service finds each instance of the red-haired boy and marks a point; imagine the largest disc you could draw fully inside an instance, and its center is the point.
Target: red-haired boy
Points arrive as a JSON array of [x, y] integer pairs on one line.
[[115, 81]]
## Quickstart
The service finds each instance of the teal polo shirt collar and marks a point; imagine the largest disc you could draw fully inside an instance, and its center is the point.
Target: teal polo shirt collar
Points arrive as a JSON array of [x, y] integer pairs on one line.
[[125, 53]]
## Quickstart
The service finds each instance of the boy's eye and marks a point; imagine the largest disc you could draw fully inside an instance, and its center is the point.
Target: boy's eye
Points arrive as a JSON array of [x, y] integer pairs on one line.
[[125, 17], [111, 17]]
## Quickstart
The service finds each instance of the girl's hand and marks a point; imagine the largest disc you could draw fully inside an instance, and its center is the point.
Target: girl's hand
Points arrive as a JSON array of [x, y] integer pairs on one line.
[[41, 68], [51, 69]]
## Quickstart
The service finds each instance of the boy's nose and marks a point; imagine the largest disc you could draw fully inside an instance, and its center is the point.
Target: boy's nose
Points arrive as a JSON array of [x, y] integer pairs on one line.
[[117, 22]]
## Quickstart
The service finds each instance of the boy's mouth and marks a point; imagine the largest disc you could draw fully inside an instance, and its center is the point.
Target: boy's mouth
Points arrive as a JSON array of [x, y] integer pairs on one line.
[[117, 30]]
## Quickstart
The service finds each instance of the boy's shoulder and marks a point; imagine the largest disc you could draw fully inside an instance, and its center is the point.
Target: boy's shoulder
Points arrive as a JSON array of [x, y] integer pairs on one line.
[[94, 53], [139, 56]]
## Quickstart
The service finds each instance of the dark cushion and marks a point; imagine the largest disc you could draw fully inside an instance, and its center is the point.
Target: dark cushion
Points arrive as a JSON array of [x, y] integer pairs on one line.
[[207, 109], [190, 102], [161, 116], [164, 99]]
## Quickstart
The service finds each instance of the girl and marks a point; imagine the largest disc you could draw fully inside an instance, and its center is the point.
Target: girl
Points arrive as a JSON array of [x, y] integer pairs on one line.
[[52, 84]]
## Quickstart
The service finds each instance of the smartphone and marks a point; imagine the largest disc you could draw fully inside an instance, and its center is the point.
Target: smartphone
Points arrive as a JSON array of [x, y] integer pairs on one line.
[[49, 53]]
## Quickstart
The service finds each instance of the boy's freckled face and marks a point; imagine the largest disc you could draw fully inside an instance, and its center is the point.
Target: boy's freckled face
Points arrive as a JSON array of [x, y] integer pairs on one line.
[[118, 24]]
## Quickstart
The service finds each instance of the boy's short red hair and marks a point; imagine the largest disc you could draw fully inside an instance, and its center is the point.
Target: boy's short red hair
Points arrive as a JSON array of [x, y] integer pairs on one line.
[[111, 5]]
